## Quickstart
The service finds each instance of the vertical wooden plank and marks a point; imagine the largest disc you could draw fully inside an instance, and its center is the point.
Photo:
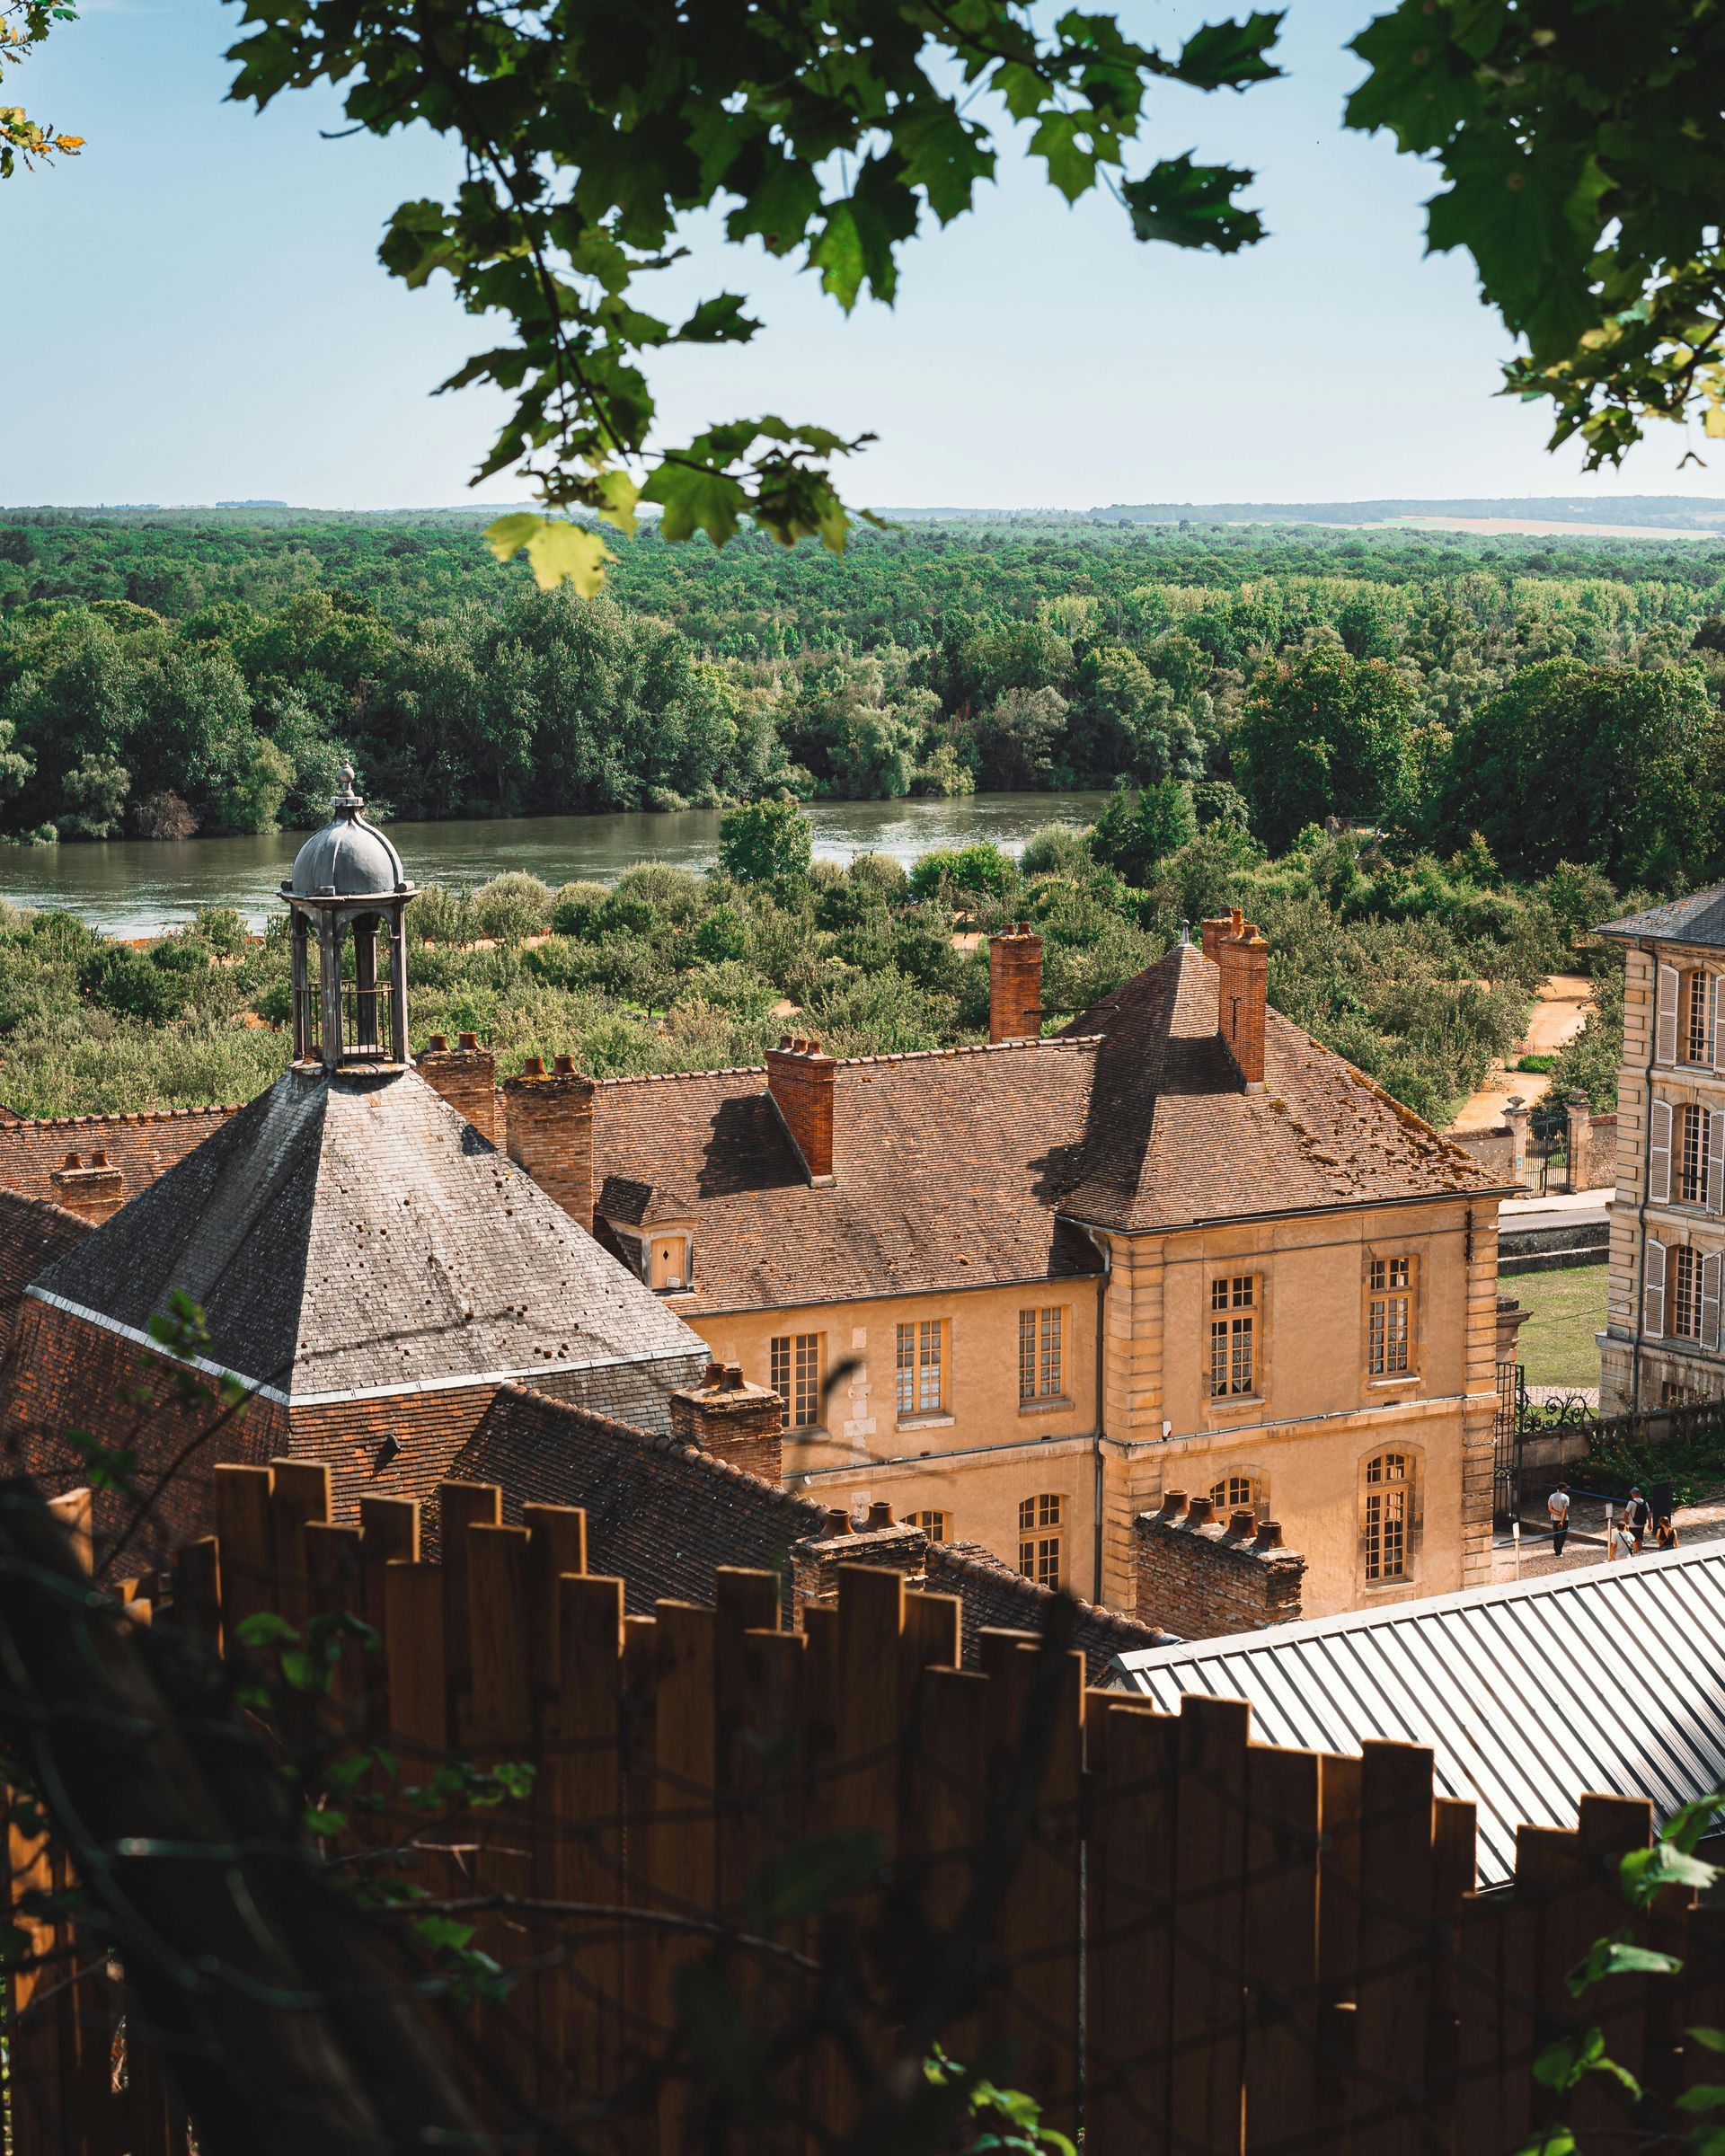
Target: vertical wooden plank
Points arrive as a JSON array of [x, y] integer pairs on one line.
[[36, 2099], [578, 1849], [299, 1494], [1135, 1765], [683, 1848], [418, 1682], [389, 1530], [500, 1645], [1210, 1917], [1454, 1869], [946, 1808], [198, 1591], [334, 1589], [460, 1505], [1281, 1946], [1338, 1943], [1607, 1829], [243, 1528], [76, 1511], [1481, 2007], [644, 2038], [1392, 2012], [556, 1544], [932, 1637], [1542, 1943]]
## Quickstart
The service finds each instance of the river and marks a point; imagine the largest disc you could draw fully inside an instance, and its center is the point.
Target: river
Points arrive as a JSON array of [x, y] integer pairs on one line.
[[140, 887]]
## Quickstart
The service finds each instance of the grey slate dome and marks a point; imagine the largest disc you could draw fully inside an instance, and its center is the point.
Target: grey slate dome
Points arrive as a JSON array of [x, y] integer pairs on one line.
[[349, 858]]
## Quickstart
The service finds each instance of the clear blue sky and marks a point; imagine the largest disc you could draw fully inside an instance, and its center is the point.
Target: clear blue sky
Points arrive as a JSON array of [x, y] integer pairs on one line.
[[198, 313]]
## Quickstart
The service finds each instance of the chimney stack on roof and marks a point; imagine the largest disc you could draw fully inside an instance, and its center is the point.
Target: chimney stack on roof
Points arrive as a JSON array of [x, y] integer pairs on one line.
[[1243, 955], [1210, 935], [549, 1116], [1015, 984], [802, 1082], [733, 1420], [465, 1076], [92, 1192]]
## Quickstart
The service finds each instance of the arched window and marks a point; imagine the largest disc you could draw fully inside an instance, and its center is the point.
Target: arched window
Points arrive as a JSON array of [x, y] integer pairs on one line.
[[936, 1526], [1238, 1490], [1388, 1487], [1042, 1520]]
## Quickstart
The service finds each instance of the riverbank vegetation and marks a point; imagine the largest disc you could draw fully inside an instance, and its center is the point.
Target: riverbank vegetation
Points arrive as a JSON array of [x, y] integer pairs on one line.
[[162, 675], [1420, 970]]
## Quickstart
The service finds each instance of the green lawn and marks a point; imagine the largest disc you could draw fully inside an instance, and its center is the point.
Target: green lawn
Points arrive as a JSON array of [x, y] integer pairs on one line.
[[1568, 1306]]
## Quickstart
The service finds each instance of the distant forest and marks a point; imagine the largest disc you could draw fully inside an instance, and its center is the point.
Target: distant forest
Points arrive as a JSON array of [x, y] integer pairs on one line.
[[167, 673]]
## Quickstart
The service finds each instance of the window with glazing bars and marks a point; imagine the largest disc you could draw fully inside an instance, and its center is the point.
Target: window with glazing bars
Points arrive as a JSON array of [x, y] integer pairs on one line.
[[796, 1378], [1390, 1318], [1232, 1342], [919, 1372], [1692, 1156], [1686, 1293], [936, 1526], [1386, 1516], [1694, 1012], [1041, 1358], [1039, 1522]]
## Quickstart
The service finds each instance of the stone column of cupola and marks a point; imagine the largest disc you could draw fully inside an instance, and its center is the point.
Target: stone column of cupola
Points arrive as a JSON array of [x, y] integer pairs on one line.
[[348, 877]]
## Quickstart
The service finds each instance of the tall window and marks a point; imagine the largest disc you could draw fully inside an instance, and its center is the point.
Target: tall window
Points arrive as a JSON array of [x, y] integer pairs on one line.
[[1692, 1156], [1390, 1318], [1386, 1516], [796, 1377], [1041, 1357], [1234, 1310], [1686, 1293], [936, 1526], [1041, 1520], [920, 1375], [1695, 986]]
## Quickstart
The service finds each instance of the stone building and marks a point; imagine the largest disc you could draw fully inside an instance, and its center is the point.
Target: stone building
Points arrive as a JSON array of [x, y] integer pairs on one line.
[[1661, 1343], [1021, 1292]]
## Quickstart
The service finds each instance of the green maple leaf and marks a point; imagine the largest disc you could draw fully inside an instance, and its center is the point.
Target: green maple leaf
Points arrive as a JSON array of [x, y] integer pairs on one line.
[[1192, 205], [694, 497]]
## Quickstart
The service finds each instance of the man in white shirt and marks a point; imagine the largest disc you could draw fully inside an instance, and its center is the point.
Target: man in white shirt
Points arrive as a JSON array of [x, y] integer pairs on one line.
[[1557, 1511]]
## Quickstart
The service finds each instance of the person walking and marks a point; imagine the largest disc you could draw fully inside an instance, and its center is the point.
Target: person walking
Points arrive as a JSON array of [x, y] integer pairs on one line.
[[1637, 1517], [1664, 1535], [1619, 1541], [1557, 1511]]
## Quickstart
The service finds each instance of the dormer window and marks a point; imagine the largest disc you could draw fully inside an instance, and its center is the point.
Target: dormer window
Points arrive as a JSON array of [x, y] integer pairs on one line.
[[670, 1264]]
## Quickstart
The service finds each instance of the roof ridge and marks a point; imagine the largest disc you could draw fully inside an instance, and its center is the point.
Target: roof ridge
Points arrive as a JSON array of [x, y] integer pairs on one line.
[[984, 1564], [121, 1116], [972, 1047]]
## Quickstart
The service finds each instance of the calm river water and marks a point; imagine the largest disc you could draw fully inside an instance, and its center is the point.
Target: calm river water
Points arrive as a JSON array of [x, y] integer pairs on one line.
[[134, 887]]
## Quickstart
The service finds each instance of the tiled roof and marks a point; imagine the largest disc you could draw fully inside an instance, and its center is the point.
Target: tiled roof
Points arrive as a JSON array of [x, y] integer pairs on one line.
[[967, 1167], [664, 1517], [352, 1233], [947, 1168], [1700, 918], [1172, 1136], [141, 1146], [33, 1234]]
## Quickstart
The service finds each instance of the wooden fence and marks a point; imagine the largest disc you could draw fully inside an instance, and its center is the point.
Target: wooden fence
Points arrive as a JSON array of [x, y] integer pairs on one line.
[[1176, 1938]]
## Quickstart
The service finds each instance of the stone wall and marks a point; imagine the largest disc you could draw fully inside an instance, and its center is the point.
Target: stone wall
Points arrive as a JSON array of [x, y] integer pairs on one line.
[[1200, 1580]]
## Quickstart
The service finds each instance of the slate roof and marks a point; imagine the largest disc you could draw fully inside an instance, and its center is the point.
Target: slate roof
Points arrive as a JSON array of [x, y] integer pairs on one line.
[[970, 1166], [1172, 1137], [947, 1171], [141, 1146], [1700, 918], [33, 1234], [663, 1516], [349, 1233], [1530, 1694]]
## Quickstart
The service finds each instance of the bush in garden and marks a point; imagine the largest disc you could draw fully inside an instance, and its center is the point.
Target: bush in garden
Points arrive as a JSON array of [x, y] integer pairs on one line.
[[765, 841], [576, 907], [512, 907]]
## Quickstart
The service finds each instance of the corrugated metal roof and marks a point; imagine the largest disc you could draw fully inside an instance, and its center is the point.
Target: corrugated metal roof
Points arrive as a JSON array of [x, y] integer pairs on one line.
[[1532, 1695]]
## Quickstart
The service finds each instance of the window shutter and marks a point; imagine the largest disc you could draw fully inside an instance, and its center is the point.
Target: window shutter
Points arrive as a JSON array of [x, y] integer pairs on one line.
[[1715, 1161], [1658, 1158], [1716, 1030], [1665, 1043], [1710, 1301], [1653, 1291]]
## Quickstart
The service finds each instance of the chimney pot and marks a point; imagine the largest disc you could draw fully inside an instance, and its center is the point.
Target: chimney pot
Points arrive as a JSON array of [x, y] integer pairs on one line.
[[879, 1515], [731, 1377], [98, 1159], [715, 1371], [465, 1040], [838, 1521], [532, 1066], [72, 1159], [564, 1066], [1201, 1511], [439, 1042], [1242, 1522], [1269, 1536], [1174, 1502]]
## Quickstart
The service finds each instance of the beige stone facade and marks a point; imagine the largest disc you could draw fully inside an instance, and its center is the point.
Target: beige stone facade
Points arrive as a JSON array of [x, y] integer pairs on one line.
[[1661, 1346]]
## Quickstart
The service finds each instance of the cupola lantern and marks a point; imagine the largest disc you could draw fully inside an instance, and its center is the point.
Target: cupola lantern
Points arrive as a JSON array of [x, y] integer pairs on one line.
[[348, 884]]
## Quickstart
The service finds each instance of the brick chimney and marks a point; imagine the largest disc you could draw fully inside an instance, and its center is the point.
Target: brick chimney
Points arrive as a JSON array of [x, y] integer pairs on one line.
[[1015, 984], [91, 1191], [1200, 1580], [1243, 958], [549, 1119], [465, 1076], [802, 1082], [732, 1420], [1210, 935], [815, 1561]]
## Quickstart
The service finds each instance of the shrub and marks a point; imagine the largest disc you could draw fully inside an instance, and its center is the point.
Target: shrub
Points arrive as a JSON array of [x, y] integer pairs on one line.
[[980, 871], [721, 935], [222, 928], [765, 841], [673, 894], [575, 908], [440, 915], [879, 872], [512, 907], [125, 981], [1055, 850]]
